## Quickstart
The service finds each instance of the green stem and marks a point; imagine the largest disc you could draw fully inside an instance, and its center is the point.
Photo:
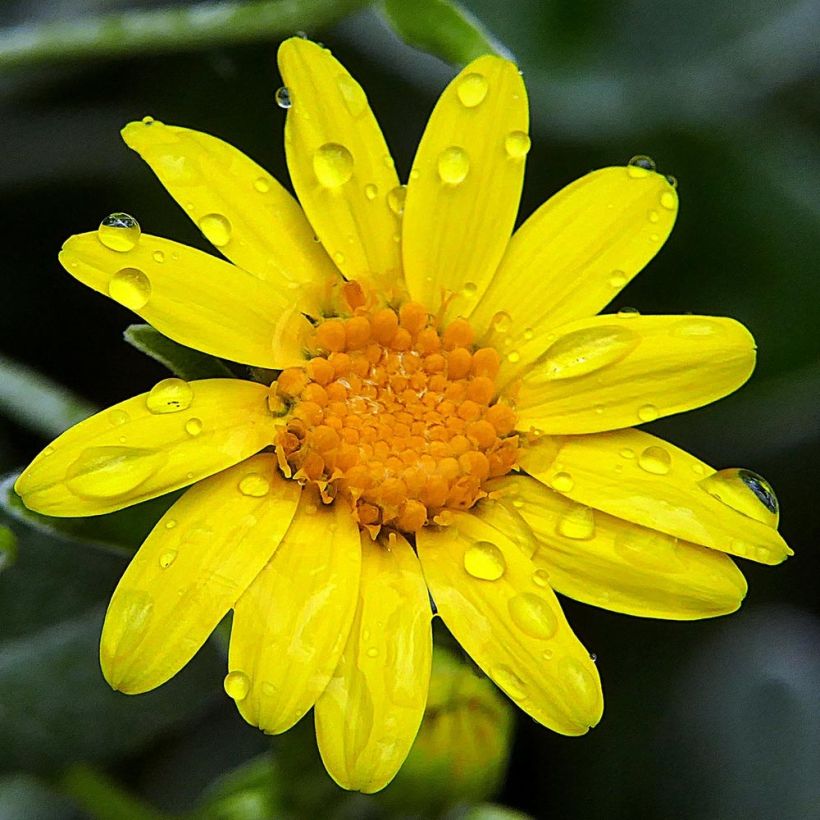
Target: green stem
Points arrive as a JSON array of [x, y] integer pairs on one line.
[[170, 29], [102, 798]]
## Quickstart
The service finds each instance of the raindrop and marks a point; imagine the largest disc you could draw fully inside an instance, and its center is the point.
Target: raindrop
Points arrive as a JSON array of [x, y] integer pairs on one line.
[[502, 321], [282, 97], [371, 191], [106, 472], [396, 198], [578, 523], [541, 578], [628, 312], [237, 685], [529, 334], [671, 180], [485, 561], [372, 652], [333, 165], [563, 482], [513, 357], [472, 90], [517, 144], [169, 396], [254, 485], [744, 491], [648, 412], [158, 257], [453, 165], [617, 279], [640, 166], [669, 200], [262, 185], [216, 228], [193, 427], [470, 290], [167, 558], [339, 258], [655, 460], [117, 417], [627, 452], [130, 287], [653, 216], [532, 615], [119, 232], [170, 524]]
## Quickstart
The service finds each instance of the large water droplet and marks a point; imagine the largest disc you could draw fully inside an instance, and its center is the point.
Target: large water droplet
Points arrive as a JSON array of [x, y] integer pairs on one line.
[[453, 165], [563, 482], [237, 685], [130, 287], [216, 228], [333, 165], [655, 460], [396, 198], [669, 200], [472, 90], [578, 523], [485, 561], [354, 97], [119, 232], [282, 97], [541, 578], [254, 485], [746, 492], [640, 166], [583, 351], [517, 144], [106, 472], [169, 396], [532, 615]]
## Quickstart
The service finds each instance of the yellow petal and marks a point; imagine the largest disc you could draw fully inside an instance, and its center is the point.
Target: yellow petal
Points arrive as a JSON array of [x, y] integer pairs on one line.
[[290, 626], [368, 717], [195, 299], [130, 453], [240, 208], [577, 251], [496, 604], [608, 562], [191, 570], [340, 165], [610, 372], [465, 185], [640, 478]]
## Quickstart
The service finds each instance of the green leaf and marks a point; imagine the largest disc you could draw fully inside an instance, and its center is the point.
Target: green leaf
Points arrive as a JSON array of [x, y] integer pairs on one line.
[[121, 532], [102, 798], [182, 361], [38, 403], [248, 792], [175, 28], [442, 28]]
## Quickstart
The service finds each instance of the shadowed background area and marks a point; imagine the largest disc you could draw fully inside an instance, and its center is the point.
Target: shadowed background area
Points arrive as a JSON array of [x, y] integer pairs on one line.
[[716, 719]]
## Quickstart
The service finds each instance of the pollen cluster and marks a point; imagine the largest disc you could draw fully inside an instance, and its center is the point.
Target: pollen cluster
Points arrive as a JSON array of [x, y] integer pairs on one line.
[[396, 415]]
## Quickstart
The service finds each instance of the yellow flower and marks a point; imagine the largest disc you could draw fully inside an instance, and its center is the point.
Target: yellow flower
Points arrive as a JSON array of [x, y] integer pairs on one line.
[[450, 415]]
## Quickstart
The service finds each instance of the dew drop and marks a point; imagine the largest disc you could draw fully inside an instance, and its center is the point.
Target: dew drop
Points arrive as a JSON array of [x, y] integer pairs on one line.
[[563, 482], [372, 652], [517, 144], [744, 491], [371, 191], [628, 312], [640, 166], [529, 334], [453, 165], [502, 321], [282, 97], [117, 417], [333, 165], [193, 427], [254, 485], [158, 257], [627, 453], [169, 396], [583, 351], [107, 472], [472, 90], [547, 654], [119, 232], [339, 258], [653, 216], [170, 524], [513, 357], [695, 327], [396, 198], [262, 185], [541, 578], [485, 561], [130, 287], [216, 228], [617, 279], [470, 290], [655, 460], [508, 681], [167, 558], [671, 180], [578, 523], [237, 685], [532, 615], [648, 412], [669, 200]]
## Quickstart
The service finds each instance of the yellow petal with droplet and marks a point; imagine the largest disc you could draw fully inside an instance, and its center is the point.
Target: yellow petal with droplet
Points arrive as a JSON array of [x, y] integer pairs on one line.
[[621, 566], [290, 626], [464, 188], [130, 453], [192, 568], [513, 626], [610, 372], [607, 471], [196, 299], [368, 717], [237, 205], [578, 250], [340, 166]]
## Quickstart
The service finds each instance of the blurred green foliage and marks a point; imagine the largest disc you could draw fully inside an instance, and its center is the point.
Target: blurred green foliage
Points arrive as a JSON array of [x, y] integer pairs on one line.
[[710, 719]]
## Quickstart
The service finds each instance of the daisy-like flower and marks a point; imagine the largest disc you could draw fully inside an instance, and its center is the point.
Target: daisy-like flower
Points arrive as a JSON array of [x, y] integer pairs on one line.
[[445, 417]]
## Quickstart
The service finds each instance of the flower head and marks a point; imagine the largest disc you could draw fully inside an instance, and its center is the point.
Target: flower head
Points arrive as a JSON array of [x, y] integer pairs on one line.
[[446, 416]]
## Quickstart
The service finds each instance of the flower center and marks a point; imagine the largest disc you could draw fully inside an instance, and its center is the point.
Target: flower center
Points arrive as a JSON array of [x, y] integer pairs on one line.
[[396, 415]]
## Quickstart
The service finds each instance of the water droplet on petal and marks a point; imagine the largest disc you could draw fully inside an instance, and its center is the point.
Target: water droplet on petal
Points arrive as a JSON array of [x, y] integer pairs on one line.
[[578, 523], [106, 472], [371, 191], [656, 460], [472, 90], [485, 561], [695, 327], [333, 165], [130, 287], [119, 232], [170, 524], [339, 258], [216, 229], [648, 412], [517, 144], [396, 198], [237, 685], [372, 652], [117, 417], [169, 396], [158, 257], [193, 427], [262, 185], [254, 485], [563, 482], [653, 216], [532, 615], [628, 312], [669, 200], [581, 683], [502, 321], [167, 558], [513, 357], [626, 452], [508, 681], [541, 578], [282, 97], [617, 279], [744, 491], [583, 351], [354, 97], [470, 290], [453, 165], [640, 166]]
